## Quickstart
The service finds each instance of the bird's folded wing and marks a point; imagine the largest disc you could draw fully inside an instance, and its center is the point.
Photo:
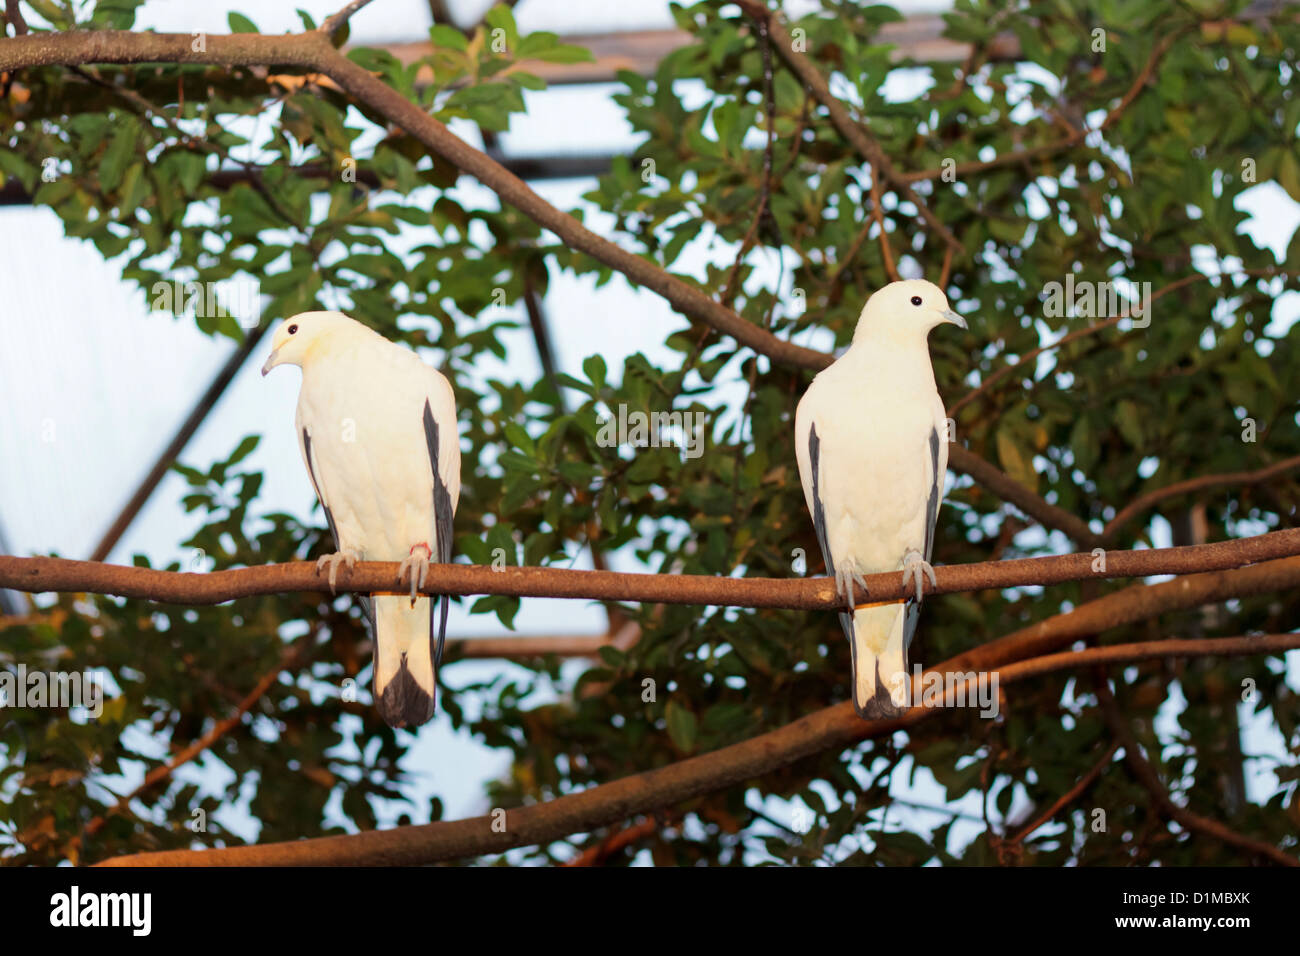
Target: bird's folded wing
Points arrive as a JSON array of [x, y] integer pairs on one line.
[[815, 495], [442, 439], [937, 470], [443, 508], [313, 472]]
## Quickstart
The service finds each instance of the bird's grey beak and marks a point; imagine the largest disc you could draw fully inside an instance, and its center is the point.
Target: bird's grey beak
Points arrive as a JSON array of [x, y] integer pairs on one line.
[[272, 361], [950, 316]]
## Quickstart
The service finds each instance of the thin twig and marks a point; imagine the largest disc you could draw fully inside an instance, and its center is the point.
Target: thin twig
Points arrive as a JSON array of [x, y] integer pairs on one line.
[[15, 16], [1072, 138], [633, 833], [145, 108], [334, 22], [1067, 798], [878, 214]]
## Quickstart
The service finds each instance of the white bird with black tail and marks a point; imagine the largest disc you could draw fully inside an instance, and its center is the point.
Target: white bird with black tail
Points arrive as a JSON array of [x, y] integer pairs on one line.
[[377, 430], [870, 438]]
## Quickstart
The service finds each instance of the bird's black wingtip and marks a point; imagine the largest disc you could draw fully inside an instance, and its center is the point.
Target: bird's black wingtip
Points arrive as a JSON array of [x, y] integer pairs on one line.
[[404, 703]]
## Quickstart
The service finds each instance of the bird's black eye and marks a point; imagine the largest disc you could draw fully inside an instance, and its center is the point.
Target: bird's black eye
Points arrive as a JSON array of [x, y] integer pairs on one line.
[[916, 300], [294, 328]]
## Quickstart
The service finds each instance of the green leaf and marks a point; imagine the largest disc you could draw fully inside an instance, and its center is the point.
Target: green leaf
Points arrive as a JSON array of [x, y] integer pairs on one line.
[[1016, 461], [241, 24], [567, 380], [243, 450], [445, 37], [1288, 173], [536, 43], [1129, 423], [517, 436], [121, 150], [500, 17], [682, 726], [565, 53], [594, 368]]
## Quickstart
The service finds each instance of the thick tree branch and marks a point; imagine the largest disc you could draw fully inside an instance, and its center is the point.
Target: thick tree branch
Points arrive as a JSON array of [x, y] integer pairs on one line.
[[623, 799], [1138, 602], [177, 587], [84, 47]]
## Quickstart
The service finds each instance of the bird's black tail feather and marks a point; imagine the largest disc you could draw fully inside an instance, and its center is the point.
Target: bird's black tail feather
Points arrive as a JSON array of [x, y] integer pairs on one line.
[[404, 703], [405, 668], [879, 646]]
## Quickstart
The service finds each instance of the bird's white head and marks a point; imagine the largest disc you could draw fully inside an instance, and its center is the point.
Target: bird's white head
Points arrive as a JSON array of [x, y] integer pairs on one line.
[[298, 335], [910, 308]]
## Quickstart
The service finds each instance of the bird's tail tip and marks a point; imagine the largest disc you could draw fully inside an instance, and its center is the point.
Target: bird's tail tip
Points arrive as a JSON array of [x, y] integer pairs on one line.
[[878, 639], [405, 671], [403, 702], [880, 706]]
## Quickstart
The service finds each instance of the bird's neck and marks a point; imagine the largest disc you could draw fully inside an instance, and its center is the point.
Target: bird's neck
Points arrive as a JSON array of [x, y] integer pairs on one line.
[[893, 358], [337, 346]]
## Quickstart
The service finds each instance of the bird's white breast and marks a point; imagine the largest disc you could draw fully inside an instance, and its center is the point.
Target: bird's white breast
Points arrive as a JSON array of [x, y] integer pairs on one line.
[[363, 410], [874, 420]]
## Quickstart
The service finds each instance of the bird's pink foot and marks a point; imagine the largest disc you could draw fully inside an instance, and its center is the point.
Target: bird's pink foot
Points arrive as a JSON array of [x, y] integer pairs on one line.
[[346, 555], [417, 566], [845, 579], [917, 568]]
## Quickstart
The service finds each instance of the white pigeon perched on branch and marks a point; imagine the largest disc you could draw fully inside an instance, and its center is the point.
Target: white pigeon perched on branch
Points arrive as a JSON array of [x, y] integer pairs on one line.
[[377, 430], [871, 441]]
